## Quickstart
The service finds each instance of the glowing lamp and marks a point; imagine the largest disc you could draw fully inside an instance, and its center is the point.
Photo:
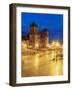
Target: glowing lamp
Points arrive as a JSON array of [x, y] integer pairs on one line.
[[36, 45]]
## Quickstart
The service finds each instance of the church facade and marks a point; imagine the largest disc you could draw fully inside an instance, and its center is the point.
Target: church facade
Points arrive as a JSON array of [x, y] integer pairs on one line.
[[38, 39]]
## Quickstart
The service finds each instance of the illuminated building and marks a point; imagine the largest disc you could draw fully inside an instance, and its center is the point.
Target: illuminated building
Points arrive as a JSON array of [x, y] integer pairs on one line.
[[38, 39], [44, 38], [33, 36]]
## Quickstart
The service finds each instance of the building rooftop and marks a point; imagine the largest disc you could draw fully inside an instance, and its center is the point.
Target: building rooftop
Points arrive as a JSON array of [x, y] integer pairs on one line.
[[33, 24]]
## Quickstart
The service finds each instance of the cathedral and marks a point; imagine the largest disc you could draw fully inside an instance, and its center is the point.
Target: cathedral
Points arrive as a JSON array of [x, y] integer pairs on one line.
[[38, 39]]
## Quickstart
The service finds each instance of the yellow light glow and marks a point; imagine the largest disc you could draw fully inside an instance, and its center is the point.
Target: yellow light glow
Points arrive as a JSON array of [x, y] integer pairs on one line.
[[36, 45], [36, 61], [53, 54], [30, 46], [25, 46], [47, 45], [55, 44]]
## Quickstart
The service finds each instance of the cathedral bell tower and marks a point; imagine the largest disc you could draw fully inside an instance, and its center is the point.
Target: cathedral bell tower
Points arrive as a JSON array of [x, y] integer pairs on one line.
[[33, 36]]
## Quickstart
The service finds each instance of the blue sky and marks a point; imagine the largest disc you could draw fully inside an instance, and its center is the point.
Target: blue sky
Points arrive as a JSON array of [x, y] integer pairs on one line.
[[53, 23]]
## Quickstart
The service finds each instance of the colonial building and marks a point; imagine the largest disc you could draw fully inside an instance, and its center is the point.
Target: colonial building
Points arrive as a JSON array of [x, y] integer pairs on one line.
[[33, 36], [44, 41], [38, 39]]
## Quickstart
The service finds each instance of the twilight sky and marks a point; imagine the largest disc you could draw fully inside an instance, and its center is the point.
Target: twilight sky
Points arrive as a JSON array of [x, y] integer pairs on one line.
[[53, 23]]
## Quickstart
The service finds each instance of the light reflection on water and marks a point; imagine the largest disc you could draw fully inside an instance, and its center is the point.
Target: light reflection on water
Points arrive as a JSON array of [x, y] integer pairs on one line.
[[41, 65], [36, 62]]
